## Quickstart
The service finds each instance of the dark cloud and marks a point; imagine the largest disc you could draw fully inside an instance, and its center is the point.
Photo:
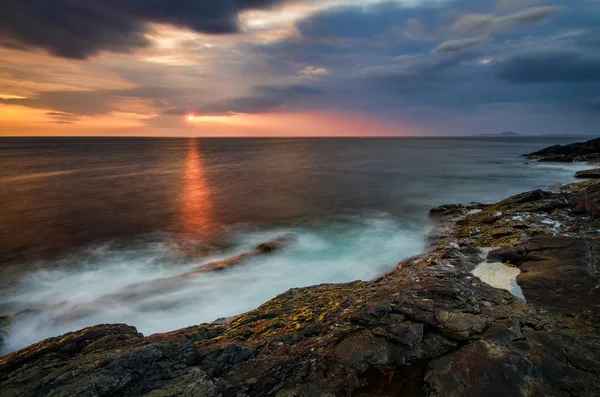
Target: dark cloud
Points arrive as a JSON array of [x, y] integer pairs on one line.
[[451, 63], [98, 102], [349, 22], [550, 66], [78, 29], [62, 118]]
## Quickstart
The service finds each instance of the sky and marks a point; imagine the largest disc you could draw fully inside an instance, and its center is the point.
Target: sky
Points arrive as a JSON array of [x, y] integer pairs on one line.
[[299, 67]]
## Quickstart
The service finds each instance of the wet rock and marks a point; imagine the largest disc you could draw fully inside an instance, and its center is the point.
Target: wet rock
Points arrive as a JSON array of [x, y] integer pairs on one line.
[[429, 327], [193, 382], [5, 322], [581, 151], [589, 200], [280, 242], [588, 174], [511, 255], [559, 273], [446, 210], [534, 363], [480, 369]]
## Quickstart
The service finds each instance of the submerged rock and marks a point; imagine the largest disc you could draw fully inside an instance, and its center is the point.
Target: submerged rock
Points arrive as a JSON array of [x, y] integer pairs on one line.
[[279, 243]]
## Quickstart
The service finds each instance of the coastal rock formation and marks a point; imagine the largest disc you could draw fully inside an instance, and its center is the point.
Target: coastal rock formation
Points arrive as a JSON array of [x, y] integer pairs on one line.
[[5, 321], [588, 174], [427, 328], [583, 151], [588, 200]]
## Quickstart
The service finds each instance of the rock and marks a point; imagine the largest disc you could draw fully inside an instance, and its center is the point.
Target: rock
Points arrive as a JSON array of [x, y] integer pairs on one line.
[[429, 327], [193, 382], [559, 273], [511, 255], [582, 151], [445, 210], [588, 174], [526, 197], [481, 369], [281, 242], [556, 158], [532, 364], [5, 323], [589, 200]]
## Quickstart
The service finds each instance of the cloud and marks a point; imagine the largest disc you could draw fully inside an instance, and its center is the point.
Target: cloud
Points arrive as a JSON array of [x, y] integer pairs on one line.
[[79, 29], [62, 118], [471, 22], [440, 64], [310, 71], [93, 102], [261, 99], [486, 22], [508, 4], [526, 17], [550, 66], [458, 45]]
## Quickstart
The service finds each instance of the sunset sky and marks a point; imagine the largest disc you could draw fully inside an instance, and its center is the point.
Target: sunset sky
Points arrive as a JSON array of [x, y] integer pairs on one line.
[[299, 67]]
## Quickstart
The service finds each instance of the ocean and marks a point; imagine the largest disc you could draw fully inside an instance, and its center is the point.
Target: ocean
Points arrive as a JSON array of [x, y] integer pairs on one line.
[[83, 218]]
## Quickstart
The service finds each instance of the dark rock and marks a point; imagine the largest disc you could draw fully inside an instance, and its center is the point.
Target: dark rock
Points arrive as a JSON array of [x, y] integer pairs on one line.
[[281, 242], [560, 273], [512, 255], [556, 158], [426, 328], [445, 210], [588, 174], [537, 363], [480, 369], [527, 197], [589, 200], [220, 360], [581, 151]]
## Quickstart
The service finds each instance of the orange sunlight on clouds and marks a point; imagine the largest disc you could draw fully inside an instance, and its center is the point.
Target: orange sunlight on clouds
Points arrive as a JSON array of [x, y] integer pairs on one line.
[[300, 124]]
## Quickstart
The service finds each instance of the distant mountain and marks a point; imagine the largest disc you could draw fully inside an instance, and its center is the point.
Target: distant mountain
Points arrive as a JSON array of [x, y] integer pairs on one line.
[[503, 134]]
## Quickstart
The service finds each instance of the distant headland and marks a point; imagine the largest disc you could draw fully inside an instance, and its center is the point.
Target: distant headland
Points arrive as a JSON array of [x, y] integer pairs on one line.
[[502, 134]]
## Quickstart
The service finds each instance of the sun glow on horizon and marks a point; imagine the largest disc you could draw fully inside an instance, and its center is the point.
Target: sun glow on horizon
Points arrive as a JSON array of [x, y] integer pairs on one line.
[[233, 118]]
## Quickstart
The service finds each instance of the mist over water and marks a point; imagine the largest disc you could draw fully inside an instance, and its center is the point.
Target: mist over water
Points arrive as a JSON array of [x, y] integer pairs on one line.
[[358, 249], [83, 220]]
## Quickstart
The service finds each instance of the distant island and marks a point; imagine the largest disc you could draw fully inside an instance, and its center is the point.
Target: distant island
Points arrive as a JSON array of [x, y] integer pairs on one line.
[[502, 134]]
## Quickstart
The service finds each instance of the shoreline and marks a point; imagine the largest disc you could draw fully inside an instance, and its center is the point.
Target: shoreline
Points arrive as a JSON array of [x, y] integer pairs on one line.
[[428, 327]]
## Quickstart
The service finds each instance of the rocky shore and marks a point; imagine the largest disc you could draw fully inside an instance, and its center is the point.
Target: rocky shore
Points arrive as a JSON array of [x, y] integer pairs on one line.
[[582, 151], [427, 328]]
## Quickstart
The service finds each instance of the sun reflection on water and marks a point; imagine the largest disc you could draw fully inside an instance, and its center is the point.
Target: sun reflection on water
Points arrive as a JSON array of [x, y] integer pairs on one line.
[[196, 217]]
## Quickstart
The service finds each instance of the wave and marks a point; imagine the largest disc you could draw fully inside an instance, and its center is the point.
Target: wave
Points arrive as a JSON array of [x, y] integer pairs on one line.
[[68, 294]]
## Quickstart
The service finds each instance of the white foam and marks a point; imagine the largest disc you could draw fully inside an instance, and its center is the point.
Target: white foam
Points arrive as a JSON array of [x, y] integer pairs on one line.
[[326, 255]]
